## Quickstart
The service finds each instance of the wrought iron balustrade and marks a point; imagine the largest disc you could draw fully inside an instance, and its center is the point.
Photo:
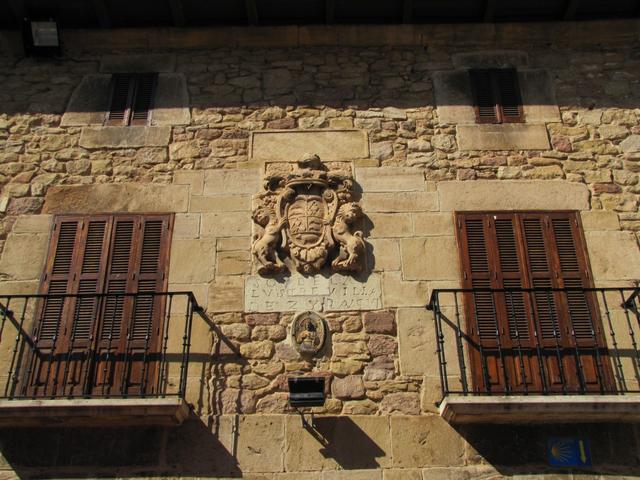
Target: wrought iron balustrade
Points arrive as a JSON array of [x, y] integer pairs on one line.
[[112, 345], [549, 341]]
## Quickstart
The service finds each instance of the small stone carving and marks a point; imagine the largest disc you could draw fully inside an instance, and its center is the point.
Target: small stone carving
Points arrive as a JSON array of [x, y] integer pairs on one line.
[[307, 215], [308, 332]]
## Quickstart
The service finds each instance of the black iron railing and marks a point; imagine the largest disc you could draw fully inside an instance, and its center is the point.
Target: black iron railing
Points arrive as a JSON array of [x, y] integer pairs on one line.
[[546, 341], [96, 345]]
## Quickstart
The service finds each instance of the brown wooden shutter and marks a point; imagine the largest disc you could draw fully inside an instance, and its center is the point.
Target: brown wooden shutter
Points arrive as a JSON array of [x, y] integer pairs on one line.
[[485, 100], [509, 90], [131, 99], [496, 95], [143, 98]]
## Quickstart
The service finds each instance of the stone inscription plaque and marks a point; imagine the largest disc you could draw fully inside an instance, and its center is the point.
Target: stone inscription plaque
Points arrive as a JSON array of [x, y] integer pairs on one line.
[[315, 293]]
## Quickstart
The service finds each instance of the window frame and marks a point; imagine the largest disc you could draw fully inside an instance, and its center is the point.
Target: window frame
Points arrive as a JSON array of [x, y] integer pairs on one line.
[[497, 94]]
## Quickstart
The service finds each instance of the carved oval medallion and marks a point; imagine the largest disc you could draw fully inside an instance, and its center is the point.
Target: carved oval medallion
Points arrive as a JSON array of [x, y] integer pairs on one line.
[[308, 332]]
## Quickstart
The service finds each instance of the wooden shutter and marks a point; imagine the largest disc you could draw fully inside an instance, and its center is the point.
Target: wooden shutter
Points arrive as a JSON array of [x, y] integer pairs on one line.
[[131, 99], [496, 95], [530, 250], [486, 106]]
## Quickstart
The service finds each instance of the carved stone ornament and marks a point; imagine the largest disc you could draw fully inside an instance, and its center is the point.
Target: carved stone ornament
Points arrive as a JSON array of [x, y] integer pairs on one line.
[[308, 332], [307, 215]]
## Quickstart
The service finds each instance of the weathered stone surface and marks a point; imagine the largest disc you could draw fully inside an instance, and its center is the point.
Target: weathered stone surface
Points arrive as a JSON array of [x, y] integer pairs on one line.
[[259, 443], [390, 179], [353, 475], [417, 346], [424, 441], [316, 293], [220, 203], [231, 182], [89, 102], [512, 195], [186, 225], [226, 294], [428, 224], [192, 261], [291, 145], [614, 255], [193, 178], [380, 345], [400, 293], [257, 350], [124, 137], [491, 59], [225, 224], [538, 96], [33, 224], [349, 387], [171, 100], [430, 258], [400, 403], [233, 263], [237, 331], [379, 322], [16, 264], [452, 90], [600, 220], [131, 63], [358, 442], [507, 136], [390, 225], [385, 254], [125, 197], [400, 202], [631, 144]]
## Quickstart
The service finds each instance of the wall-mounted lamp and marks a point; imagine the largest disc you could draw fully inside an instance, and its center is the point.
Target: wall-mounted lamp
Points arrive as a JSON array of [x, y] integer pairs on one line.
[[41, 37], [306, 392]]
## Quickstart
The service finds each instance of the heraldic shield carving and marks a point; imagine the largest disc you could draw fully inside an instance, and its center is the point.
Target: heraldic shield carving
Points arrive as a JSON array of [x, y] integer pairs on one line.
[[307, 214]]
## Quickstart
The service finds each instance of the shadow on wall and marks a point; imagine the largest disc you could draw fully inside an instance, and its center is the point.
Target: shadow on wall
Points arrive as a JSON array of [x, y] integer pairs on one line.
[[522, 449]]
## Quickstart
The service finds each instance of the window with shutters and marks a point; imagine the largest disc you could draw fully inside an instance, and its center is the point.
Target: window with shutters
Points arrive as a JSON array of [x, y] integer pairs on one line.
[[497, 96], [95, 343], [533, 325], [131, 99]]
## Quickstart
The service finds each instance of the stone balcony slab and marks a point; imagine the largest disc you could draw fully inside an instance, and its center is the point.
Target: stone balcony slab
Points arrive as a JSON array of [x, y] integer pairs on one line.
[[541, 409], [93, 412]]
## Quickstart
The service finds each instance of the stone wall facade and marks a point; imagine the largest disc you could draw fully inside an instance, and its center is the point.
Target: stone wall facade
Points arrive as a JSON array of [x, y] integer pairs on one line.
[[384, 106]]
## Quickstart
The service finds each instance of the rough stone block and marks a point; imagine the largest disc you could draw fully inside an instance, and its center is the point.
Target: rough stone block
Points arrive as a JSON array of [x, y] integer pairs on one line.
[[233, 263], [433, 224], [226, 294], [490, 59], [143, 63], [390, 179], [430, 258], [186, 225], [417, 343], [390, 225], [600, 220], [288, 145], [420, 441], [614, 255], [399, 293], [89, 102], [233, 243], [348, 388], [124, 137], [259, 443], [400, 202], [379, 322], [33, 224], [171, 100], [353, 442], [123, 197], [220, 203], [513, 195], [353, 475], [226, 182], [192, 261], [193, 178], [506, 136], [385, 254], [225, 224], [402, 474], [23, 256]]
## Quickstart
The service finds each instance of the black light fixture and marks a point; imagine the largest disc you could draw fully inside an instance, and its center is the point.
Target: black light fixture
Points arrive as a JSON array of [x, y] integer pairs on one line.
[[306, 391], [41, 36]]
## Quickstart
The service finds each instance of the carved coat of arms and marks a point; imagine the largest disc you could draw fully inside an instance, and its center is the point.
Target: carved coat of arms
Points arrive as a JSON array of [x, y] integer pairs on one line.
[[307, 215]]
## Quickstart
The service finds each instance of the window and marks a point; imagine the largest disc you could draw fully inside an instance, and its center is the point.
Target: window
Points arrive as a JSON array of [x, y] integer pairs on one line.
[[84, 343], [131, 99], [515, 330], [497, 96]]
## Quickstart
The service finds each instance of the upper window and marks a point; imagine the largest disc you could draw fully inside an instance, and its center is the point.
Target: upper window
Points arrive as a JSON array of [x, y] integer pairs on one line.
[[497, 96], [131, 99]]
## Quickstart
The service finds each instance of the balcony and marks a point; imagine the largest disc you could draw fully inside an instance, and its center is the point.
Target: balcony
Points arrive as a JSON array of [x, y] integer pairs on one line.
[[95, 359], [523, 355]]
